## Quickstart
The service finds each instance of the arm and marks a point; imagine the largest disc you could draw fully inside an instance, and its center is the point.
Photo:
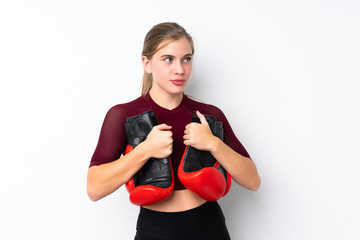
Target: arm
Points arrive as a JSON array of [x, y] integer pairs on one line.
[[241, 169], [104, 179]]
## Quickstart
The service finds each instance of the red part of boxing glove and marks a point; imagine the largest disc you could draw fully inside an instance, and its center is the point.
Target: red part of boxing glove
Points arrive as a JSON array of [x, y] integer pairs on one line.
[[207, 182], [154, 182], [200, 172]]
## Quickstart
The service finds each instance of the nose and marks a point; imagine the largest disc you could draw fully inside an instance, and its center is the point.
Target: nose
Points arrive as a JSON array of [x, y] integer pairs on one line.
[[178, 68]]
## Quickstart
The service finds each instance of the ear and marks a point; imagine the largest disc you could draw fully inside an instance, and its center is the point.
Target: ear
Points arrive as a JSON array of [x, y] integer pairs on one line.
[[146, 63]]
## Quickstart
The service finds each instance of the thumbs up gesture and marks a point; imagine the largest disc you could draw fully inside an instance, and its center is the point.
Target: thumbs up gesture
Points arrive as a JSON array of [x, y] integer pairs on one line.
[[199, 135]]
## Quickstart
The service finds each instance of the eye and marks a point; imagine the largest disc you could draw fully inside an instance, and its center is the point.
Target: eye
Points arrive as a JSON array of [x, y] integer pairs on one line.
[[169, 59], [188, 59]]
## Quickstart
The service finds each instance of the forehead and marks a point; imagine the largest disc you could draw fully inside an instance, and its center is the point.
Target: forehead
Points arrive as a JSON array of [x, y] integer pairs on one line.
[[181, 46]]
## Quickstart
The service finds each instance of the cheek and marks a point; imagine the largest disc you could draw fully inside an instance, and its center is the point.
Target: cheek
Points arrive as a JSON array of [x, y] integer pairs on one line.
[[156, 69], [160, 72], [188, 68]]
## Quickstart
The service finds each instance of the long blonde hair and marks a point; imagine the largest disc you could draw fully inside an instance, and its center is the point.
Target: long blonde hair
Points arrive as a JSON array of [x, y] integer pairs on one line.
[[158, 34]]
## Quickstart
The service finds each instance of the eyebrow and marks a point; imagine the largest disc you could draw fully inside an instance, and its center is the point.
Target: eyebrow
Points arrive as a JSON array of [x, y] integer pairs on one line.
[[168, 55]]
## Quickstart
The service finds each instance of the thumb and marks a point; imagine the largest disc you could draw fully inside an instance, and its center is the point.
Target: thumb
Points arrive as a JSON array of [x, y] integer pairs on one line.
[[163, 127], [202, 118]]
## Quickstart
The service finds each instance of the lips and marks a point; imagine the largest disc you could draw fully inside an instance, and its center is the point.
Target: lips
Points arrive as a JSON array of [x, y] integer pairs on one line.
[[178, 82]]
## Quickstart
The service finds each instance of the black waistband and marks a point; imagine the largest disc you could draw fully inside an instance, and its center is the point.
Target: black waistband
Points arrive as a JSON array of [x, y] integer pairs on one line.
[[205, 220]]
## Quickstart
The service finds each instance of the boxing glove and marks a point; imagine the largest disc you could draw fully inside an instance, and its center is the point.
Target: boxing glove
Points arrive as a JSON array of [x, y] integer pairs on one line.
[[154, 182], [200, 172]]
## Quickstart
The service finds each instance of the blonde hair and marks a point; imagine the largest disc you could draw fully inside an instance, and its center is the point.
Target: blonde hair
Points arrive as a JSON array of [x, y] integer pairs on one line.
[[167, 31]]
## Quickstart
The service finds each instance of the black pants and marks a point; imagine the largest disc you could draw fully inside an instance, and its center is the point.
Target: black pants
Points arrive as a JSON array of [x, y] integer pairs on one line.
[[204, 222]]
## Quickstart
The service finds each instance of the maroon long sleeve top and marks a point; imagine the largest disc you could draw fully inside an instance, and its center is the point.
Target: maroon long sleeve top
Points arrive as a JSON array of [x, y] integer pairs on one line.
[[112, 140]]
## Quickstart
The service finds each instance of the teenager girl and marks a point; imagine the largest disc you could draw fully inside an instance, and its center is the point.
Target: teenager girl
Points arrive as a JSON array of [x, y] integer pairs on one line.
[[167, 59]]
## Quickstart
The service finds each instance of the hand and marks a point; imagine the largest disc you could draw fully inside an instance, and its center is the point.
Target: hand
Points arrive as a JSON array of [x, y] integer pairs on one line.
[[199, 135], [159, 142]]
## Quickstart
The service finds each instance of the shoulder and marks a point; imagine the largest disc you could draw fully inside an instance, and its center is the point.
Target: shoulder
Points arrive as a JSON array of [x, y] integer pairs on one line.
[[124, 110]]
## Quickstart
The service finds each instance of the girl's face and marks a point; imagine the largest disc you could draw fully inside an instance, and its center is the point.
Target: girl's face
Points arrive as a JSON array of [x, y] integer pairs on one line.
[[170, 67]]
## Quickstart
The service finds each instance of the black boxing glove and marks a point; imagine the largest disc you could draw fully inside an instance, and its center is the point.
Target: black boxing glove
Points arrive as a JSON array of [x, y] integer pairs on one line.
[[200, 172], [154, 182]]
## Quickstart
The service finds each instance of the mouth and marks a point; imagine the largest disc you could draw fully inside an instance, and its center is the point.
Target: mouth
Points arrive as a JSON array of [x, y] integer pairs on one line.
[[178, 82]]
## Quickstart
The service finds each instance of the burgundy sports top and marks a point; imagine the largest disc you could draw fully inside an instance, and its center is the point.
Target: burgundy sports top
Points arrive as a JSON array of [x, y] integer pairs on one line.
[[112, 140]]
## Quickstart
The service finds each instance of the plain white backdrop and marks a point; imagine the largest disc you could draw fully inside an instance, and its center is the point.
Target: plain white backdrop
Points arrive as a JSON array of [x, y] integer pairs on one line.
[[285, 73]]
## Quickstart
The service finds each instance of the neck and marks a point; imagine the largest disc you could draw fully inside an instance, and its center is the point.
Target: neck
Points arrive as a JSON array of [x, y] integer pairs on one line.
[[168, 101]]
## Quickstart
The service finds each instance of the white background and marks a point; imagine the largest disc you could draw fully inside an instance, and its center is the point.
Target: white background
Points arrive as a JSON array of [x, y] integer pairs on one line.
[[285, 73]]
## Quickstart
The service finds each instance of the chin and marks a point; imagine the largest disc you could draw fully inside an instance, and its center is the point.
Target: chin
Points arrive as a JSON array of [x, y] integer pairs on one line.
[[176, 91]]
